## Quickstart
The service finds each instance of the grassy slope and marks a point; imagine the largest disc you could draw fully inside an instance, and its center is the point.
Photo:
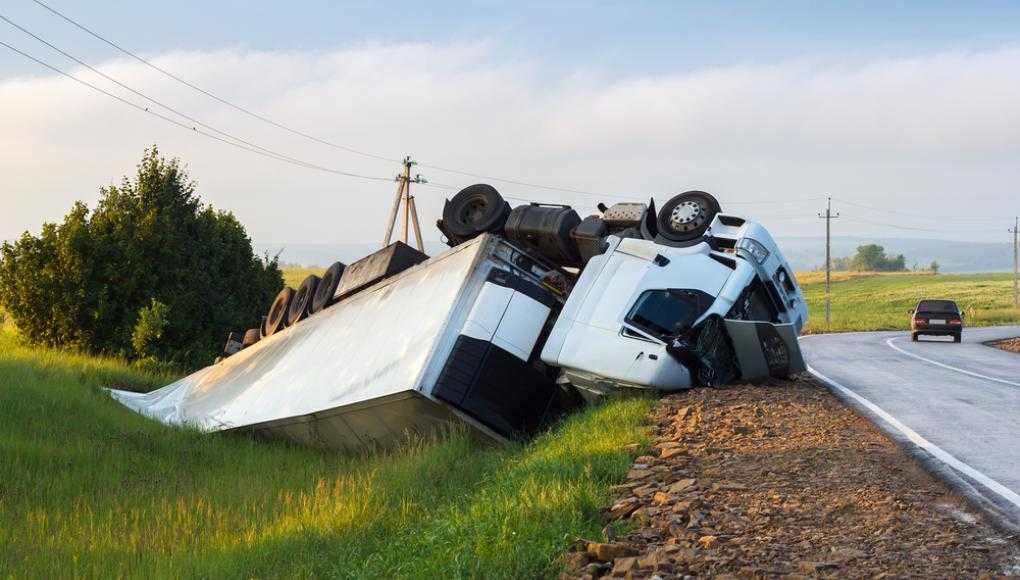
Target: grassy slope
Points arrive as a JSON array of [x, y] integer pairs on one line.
[[87, 487], [864, 301]]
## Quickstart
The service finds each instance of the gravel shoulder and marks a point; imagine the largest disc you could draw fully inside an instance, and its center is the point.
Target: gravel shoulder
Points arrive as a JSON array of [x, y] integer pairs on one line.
[[1010, 344], [784, 480]]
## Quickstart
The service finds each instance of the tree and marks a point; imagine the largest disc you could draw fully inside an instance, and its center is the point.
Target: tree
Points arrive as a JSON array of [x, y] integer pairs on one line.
[[934, 267], [151, 272], [872, 258]]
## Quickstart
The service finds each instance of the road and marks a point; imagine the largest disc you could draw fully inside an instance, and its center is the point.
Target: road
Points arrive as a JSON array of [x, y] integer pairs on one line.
[[957, 403]]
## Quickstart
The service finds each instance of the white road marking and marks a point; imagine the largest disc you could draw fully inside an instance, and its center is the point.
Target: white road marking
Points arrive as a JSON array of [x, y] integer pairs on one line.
[[945, 366], [999, 489]]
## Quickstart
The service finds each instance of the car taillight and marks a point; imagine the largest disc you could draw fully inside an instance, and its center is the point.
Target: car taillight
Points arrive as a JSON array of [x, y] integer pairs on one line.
[[921, 319], [955, 321]]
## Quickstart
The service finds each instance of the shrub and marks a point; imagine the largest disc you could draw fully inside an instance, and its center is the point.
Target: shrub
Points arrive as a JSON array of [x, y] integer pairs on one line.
[[94, 281]]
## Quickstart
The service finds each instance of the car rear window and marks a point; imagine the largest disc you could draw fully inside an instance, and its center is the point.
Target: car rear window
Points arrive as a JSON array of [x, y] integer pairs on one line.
[[937, 306], [666, 312]]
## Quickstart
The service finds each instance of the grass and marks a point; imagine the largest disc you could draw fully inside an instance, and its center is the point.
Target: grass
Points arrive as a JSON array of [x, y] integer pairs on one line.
[[294, 276], [873, 301], [90, 489]]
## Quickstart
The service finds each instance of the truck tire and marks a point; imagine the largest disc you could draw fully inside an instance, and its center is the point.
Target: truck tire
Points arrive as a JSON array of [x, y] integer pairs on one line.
[[302, 300], [475, 210], [687, 216], [251, 336], [326, 289], [277, 317]]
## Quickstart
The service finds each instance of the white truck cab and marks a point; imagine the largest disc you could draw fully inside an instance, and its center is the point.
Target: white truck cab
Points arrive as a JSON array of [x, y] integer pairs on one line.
[[631, 303]]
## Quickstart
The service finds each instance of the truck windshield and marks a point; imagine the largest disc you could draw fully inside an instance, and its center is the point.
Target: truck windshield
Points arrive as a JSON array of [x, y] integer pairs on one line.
[[665, 313]]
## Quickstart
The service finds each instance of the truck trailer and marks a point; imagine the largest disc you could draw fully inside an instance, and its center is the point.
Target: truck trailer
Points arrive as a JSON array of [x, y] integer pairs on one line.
[[530, 312]]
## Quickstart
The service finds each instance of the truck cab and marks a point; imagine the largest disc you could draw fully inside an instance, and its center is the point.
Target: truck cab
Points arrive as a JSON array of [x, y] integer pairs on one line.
[[635, 316]]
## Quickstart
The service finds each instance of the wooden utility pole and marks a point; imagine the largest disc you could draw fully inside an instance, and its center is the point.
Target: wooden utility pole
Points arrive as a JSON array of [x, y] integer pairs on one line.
[[1016, 261], [828, 216], [404, 196]]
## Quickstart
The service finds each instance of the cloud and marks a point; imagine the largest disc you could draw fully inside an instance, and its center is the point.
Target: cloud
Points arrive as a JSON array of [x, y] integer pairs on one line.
[[939, 132]]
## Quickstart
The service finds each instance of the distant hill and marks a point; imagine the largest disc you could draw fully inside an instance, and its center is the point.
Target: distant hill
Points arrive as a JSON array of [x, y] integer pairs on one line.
[[953, 256], [804, 253]]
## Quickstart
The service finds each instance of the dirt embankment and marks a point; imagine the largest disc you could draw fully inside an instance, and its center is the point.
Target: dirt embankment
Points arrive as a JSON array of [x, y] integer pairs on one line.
[[1010, 344], [784, 480]]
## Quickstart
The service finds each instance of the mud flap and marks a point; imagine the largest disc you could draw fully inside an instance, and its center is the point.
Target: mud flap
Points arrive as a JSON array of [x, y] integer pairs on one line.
[[764, 349]]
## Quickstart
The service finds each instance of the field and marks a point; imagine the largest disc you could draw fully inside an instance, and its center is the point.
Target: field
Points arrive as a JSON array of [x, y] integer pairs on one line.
[[89, 489], [871, 301]]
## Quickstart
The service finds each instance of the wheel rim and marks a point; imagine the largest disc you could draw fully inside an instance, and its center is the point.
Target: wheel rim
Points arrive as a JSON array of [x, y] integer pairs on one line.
[[687, 216]]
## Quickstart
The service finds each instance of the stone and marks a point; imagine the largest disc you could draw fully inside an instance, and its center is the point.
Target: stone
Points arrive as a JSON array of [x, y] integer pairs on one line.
[[624, 508], [606, 552], [623, 566], [638, 473], [681, 485], [708, 542], [671, 452]]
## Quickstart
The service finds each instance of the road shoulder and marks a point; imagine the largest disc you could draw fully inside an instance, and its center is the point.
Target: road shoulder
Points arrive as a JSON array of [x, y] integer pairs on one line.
[[784, 479]]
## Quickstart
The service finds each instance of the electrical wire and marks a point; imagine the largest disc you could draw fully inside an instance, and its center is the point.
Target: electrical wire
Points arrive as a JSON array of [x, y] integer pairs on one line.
[[260, 151], [913, 214], [128, 88], [207, 93], [900, 227], [299, 133]]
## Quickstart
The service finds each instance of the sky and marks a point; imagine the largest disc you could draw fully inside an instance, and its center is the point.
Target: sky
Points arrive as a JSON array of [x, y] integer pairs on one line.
[[906, 113]]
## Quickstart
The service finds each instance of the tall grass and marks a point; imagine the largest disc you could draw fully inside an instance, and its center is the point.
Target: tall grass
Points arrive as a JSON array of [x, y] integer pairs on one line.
[[90, 489], [872, 301]]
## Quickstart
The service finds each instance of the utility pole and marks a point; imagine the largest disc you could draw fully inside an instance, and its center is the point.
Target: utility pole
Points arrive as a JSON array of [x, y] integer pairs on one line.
[[828, 216], [1016, 261], [404, 196]]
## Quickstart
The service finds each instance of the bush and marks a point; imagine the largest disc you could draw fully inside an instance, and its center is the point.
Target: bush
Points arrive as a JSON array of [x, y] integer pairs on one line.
[[152, 272]]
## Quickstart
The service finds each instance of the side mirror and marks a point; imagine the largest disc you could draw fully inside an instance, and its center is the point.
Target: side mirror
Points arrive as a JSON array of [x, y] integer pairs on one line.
[[963, 314]]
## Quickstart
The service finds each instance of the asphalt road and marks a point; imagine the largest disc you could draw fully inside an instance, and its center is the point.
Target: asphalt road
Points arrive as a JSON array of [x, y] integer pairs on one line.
[[957, 403]]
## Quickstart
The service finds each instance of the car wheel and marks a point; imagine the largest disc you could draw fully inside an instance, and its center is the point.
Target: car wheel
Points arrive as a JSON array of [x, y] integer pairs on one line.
[[476, 209], [687, 216], [327, 287], [302, 300], [957, 337], [913, 336], [277, 317]]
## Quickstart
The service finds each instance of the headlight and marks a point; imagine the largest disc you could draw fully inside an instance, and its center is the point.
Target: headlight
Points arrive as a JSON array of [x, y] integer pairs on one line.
[[754, 248]]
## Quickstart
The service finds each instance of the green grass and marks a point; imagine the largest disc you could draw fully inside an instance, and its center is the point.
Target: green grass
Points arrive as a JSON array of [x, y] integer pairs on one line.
[[294, 276], [881, 301], [90, 489]]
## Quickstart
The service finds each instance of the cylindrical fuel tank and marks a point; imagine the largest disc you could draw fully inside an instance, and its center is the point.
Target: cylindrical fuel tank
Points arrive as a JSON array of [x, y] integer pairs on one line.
[[545, 229]]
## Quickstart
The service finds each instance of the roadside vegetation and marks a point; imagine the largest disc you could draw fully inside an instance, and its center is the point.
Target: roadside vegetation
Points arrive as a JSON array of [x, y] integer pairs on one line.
[[150, 273], [880, 300], [88, 488]]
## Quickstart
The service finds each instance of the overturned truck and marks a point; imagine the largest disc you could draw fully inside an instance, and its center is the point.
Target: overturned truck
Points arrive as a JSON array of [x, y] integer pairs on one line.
[[531, 311]]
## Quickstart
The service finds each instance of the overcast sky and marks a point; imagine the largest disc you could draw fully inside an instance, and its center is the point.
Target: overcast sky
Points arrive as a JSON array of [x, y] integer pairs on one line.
[[910, 108]]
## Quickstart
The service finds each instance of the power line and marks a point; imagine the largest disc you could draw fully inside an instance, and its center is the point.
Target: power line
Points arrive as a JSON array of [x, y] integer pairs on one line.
[[911, 214], [259, 150], [300, 133], [209, 93], [128, 88]]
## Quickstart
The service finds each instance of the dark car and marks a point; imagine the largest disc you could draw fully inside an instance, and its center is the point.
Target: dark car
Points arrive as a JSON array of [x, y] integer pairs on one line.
[[936, 318]]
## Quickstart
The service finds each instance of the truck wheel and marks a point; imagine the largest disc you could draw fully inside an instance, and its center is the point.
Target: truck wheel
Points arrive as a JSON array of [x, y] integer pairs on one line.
[[302, 299], [277, 317], [324, 292], [686, 216], [251, 336], [476, 209]]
